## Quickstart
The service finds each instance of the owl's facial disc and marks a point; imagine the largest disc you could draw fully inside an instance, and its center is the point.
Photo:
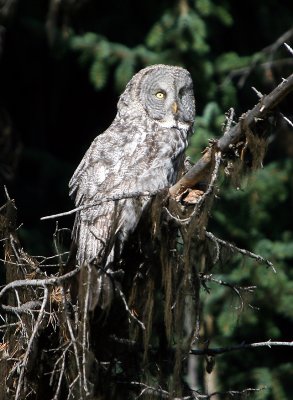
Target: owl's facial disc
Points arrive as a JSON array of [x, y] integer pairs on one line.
[[166, 94]]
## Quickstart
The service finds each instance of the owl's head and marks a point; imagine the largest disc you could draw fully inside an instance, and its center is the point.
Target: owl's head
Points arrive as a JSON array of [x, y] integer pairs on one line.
[[164, 93]]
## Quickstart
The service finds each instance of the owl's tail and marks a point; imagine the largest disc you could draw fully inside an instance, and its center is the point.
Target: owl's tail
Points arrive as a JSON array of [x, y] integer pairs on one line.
[[96, 287], [95, 235]]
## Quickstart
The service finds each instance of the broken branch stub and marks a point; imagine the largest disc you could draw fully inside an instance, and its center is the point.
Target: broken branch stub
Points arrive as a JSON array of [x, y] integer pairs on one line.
[[196, 174]]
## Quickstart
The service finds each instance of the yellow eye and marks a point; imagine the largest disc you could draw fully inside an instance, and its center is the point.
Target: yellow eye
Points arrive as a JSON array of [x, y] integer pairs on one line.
[[160, 95]]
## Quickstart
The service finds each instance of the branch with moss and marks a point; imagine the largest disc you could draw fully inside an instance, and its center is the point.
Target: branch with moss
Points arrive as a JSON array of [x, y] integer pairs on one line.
[[261, 111]]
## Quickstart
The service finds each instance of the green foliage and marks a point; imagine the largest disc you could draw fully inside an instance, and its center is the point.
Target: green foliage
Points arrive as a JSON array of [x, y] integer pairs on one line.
[[247, 216], [232, 61], [98, 74], [208, 8], [255, 203], [180, 33], [269, 380], [101, 54]]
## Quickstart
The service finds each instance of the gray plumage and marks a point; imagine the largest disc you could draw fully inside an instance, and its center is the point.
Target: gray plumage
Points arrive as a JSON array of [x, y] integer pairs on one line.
[[141, 152]]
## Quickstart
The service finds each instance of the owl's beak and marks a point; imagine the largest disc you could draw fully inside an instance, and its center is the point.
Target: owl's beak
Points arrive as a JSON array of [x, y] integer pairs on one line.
[[174, 107]]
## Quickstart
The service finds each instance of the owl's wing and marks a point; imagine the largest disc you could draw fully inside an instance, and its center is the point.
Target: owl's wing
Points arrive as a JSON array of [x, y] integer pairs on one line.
[[95, 226], [92, 175], [92, 183]]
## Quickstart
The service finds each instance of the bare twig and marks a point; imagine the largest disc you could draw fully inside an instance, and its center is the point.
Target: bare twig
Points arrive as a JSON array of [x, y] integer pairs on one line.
[[237, 289], [287, 120], [56, 280], [61, 374], [229, 120], [216, 249], [230, 393], [73, 339], [4, 327], [98, 202], [148, 390], [242, 346], [84, 328], [30, 343], [26, 308], [279, 42], [257, 60], [61, 371], [128, 310], [258, 93], [247, 253], [39, 263], [209, 278], [71, 387], [289, 48]]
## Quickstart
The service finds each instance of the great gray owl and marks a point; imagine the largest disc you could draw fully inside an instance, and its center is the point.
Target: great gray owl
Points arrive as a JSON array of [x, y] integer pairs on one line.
[[141, 151]]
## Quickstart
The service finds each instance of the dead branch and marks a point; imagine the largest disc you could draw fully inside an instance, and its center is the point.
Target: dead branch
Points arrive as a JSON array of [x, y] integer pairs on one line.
[[85, 334], [203, 198], [61, 372], [237, 289], [289, 48], [131, 314], [26, 308], [209, 278], [220, 350], [236, 249], [148, 390], [287, 120], [256, 62], [32, 338], [56, 280], [230, 393], [73, 343], [261, 111], [98, 202]]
